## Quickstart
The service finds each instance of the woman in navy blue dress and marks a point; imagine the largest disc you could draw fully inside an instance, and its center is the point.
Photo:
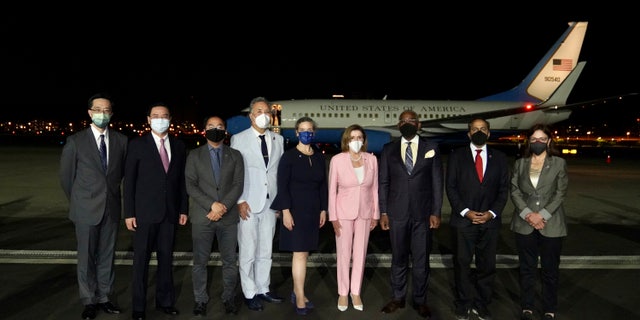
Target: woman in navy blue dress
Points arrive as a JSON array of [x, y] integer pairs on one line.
[[302, 199]]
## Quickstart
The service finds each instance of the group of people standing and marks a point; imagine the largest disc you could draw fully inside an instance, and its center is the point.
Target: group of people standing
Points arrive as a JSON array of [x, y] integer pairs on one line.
[[237, 194]]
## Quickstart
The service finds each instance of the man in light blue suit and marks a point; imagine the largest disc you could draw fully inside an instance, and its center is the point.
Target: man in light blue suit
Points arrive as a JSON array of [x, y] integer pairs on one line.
[[257, 221]]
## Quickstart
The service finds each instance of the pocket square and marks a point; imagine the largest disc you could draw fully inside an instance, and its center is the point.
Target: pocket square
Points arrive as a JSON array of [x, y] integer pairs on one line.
[[429, 154]]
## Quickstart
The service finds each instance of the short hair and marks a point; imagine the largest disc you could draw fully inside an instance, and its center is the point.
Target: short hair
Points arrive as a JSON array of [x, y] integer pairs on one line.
[[157, 104], [413, 113], [206, 119], [99, 95], [256, 100], [478, 119]]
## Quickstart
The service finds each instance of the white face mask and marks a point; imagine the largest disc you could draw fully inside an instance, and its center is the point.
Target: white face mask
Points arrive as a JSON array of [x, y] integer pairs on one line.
[[355, 145], [160, 125], [263, 121]]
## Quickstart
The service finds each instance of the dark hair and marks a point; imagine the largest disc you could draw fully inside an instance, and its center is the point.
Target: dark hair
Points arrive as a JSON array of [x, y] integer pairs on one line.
[[346, 137], [306, 119], [206, 119], [411, 112], [99, 95], [552, 150], [157, 104], [478, 119]]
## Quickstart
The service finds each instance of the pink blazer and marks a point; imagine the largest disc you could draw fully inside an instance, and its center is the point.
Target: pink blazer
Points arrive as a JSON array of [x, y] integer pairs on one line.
[[349, 199]]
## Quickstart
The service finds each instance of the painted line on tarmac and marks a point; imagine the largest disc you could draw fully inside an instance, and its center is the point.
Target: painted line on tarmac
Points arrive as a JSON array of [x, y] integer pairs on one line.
[[382, 260]]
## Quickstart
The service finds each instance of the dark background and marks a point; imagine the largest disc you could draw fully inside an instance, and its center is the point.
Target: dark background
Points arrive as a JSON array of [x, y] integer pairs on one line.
[[213, 59]]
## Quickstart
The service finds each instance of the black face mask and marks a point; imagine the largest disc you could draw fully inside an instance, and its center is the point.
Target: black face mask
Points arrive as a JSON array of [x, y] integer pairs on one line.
[[538, 147], [408, 130], [479, 138], [215, 135]]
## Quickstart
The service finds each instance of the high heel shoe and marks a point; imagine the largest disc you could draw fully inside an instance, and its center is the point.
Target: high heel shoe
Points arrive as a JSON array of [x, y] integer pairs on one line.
[[307, 304], [359, 306], [301, 311], [345, 306]]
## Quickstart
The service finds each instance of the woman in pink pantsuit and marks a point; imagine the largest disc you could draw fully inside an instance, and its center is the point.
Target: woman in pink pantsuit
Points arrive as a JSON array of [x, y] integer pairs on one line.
[[353, 211]]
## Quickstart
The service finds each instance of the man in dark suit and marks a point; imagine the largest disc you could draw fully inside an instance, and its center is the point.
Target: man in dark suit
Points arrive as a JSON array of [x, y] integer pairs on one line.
[[477, 196], [215, 179], [92, 186], [410, 193], [155, 201]]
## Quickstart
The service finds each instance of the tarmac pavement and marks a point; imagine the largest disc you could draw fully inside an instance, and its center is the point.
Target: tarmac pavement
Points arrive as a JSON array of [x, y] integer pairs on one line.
[[599, 271]]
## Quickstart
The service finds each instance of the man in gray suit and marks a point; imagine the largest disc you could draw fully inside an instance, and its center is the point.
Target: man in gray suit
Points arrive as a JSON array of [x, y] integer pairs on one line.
[[91, 171], [215, 177], [258, 222]]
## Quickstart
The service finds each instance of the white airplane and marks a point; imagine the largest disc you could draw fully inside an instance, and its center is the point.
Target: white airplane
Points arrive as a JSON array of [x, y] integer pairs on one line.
[[540, 98]]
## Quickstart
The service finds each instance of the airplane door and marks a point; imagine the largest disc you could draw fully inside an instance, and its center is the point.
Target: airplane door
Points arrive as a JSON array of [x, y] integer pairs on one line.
[[389, 118]]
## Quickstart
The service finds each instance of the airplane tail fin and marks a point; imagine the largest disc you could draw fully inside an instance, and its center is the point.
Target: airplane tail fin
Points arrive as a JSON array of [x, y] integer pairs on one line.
[[551, 71]]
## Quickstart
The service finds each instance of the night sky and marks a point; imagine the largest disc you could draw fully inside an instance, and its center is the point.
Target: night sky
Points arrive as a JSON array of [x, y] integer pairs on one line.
[[214, 61]]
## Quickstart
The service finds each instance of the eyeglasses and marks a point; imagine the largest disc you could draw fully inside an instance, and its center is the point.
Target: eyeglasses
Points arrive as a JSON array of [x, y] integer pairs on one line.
[[214, 127], [540, 139], [101, 110], [413, 121]]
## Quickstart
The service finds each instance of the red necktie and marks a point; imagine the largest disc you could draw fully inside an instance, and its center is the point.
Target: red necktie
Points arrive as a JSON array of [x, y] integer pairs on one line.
[[479, 164]]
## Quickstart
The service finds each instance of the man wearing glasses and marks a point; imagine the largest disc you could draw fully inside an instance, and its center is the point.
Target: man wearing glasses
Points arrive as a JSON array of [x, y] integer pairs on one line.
[[91, 171]]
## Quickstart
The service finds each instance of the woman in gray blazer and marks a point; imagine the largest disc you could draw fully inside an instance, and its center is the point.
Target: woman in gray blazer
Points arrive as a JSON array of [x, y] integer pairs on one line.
[[538, 189]]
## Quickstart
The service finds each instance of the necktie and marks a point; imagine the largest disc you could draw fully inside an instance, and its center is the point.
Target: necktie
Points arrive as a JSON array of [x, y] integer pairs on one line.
[[479, 164], [164, 156], [265, 153], [215, 160], [103, 153], [408, 158]]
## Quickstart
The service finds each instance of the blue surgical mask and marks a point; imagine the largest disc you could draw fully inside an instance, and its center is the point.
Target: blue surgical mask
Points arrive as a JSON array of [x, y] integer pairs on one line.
[[100, 119], [306, 137]]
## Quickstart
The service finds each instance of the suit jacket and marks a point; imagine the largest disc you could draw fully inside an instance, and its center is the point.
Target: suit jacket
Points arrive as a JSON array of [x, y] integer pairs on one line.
[[464, 189], [89, 190], [348, 198], [547, 197], [259, 181], [203, 189], [150, 193], [419, 195]]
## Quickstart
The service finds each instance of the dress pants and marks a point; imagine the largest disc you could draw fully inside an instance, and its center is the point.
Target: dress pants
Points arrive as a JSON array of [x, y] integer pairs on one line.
[[202, 237], [255, 246], [530, 247]]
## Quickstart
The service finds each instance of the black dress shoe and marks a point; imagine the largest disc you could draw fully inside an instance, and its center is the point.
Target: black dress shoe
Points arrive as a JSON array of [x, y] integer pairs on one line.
[[89, 311], [270, 297], [200, 309], [230, 307], [138, 315], [254, 304], [109, 307], [423, 310], [392, 306], [169, 310]]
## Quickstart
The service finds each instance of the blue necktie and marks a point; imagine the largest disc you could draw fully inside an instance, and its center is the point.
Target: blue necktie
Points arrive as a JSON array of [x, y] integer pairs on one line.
[[215, 160], [103, 153], [408, 158]]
